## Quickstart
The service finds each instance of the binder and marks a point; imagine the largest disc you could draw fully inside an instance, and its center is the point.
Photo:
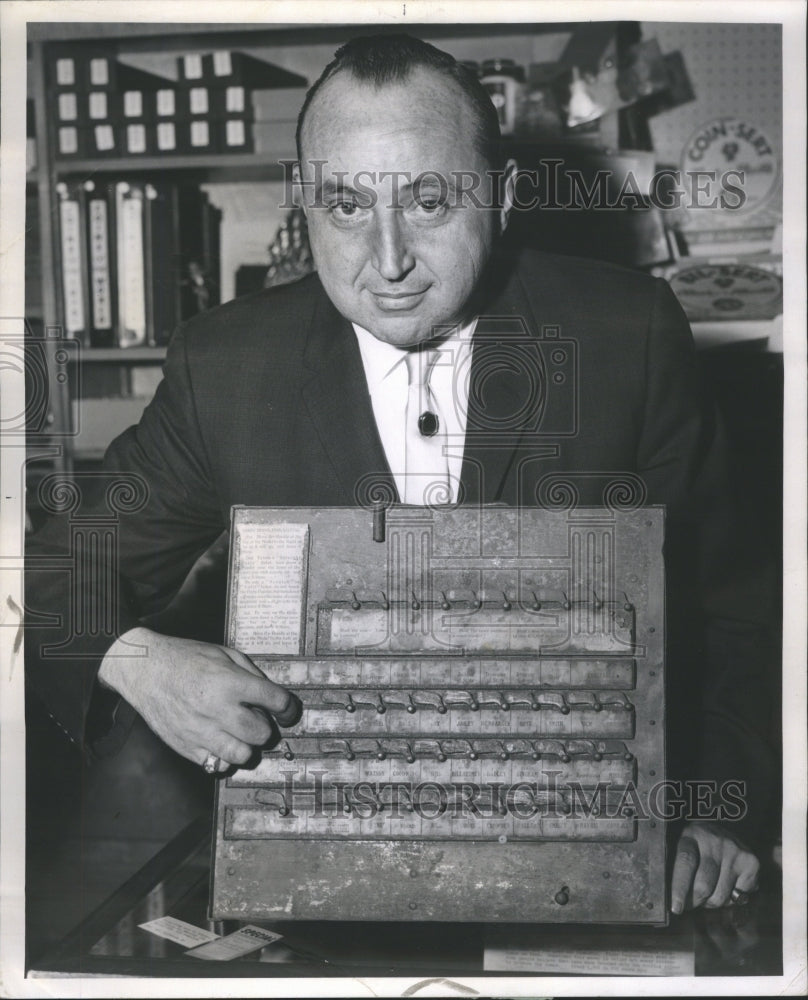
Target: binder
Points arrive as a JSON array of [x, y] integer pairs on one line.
[[225, 68], [198, 224], [193, 101], [190, 256], [162, 284], [228, 68], [164, 102], [71, 141], [199, 135], [89, 70], [138, 138], [234, 135], [137, 92], [100, 106], [277, 104], [67, 106], [100, 71], [201, 100], [277, 139], [100, 256], [72, 216], [104, 140], [190, 67], [165, 137], [63, 71], [100, 141], [130, 261], [211, 244], [99, 89], [194, 135]]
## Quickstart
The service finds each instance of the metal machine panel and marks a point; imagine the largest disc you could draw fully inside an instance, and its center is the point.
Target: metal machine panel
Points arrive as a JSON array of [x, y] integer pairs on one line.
[[483, 716]]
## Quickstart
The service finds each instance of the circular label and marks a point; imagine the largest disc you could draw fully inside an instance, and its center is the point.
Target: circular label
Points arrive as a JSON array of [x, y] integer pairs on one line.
[[740, 153], [728, 290]]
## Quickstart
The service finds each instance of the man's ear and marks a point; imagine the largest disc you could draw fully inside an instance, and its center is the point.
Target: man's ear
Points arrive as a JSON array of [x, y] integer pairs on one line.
[[508, 196], [297, 187]]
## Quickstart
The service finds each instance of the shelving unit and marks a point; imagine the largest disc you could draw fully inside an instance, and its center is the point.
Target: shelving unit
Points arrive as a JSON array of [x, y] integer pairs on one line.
[[302, 50], [198, 166], [118, 355], [46, 43]]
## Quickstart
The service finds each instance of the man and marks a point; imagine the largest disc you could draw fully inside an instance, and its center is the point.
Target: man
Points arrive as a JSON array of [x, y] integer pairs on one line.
[[297, 397]]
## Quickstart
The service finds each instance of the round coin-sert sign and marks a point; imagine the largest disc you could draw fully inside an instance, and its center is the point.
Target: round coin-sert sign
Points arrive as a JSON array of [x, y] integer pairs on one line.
[[740, 148]]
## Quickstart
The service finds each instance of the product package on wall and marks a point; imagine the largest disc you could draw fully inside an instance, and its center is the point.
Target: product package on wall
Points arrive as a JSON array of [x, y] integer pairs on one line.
[[483, 716]]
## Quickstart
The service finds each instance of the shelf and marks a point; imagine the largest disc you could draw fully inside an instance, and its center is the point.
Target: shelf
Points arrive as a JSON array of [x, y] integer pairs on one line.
[[246, 166], [185, 36], [739, 333], [121, 355]]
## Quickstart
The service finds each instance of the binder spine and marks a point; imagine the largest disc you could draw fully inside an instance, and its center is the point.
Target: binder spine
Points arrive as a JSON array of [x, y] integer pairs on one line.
[[74, 262], [131, 272], [161, 281], [102, 317]]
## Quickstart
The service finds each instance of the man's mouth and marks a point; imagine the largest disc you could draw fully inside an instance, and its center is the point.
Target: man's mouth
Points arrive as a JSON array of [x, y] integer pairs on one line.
[[399, 300]]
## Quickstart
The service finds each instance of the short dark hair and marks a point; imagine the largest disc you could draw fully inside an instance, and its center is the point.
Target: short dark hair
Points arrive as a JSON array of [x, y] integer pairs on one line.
[[383, 59]]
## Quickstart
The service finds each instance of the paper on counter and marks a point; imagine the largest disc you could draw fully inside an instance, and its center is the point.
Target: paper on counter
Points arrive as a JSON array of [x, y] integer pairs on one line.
[[178, 931], [241, 942], [592, 961]]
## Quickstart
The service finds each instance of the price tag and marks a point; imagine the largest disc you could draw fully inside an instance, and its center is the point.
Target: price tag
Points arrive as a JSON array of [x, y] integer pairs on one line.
[[179, 931], [242, 942]]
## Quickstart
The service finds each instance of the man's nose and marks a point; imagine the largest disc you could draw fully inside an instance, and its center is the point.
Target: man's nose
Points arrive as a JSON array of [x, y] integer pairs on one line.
[[391, 255]]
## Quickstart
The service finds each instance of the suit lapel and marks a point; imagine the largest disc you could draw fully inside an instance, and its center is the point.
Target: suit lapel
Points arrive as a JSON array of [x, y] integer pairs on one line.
[[339, 405], [506, 389]]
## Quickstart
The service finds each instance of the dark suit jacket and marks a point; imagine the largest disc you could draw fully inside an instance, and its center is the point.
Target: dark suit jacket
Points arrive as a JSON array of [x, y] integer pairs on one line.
[[584, 374]]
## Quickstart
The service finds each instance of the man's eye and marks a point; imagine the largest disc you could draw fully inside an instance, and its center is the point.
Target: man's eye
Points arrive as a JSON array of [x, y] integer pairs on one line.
[[431, 204], [344, 209]]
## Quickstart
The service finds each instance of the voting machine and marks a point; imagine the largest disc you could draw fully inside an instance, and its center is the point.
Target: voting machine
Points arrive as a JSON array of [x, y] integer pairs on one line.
[[482, 736]]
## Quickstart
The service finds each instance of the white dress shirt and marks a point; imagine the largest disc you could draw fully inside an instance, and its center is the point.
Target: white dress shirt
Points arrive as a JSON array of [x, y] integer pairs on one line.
[[386, 374]]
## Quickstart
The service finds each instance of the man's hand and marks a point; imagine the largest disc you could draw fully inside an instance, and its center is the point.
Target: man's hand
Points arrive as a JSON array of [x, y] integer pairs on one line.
[[198, 698], [709, 864]]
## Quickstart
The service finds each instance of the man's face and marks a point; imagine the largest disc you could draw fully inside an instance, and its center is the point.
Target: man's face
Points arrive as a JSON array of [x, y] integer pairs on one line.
[[397, 257]]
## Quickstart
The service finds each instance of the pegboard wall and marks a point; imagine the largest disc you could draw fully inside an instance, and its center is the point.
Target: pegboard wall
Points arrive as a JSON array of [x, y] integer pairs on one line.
[[736, 71]]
